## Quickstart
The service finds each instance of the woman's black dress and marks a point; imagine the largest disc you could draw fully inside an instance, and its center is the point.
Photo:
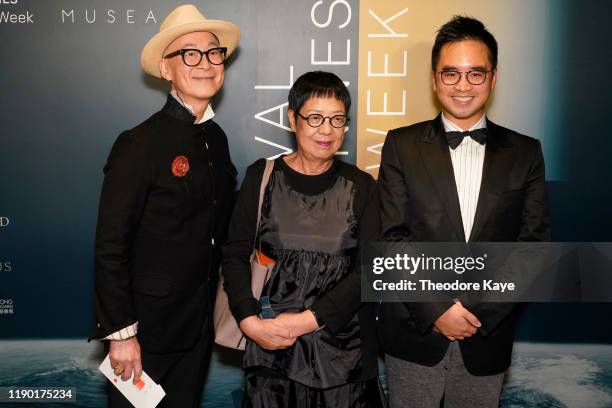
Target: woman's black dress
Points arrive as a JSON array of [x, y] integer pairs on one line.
[[310, 226]]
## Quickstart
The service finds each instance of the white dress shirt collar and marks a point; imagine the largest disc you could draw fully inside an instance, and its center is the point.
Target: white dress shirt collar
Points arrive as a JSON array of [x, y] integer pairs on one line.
[[208, 113], [451, 127]]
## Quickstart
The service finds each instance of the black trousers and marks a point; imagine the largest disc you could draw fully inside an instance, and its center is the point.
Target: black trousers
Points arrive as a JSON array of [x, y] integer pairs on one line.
[[181, 375]]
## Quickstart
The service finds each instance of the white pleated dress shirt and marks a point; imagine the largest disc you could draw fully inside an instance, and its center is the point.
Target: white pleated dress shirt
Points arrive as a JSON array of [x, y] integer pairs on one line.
[[467, 159]]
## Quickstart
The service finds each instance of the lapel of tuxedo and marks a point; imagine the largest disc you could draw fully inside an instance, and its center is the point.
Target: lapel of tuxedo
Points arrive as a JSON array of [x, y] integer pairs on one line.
[[436, 157], [496, 169]]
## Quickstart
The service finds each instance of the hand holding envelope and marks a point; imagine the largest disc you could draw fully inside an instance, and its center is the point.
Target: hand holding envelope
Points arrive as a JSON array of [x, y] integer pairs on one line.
[[145, 393]]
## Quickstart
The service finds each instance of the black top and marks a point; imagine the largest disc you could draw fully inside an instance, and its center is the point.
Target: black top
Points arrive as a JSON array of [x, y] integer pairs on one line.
[[160, 226], [306, 184], [301, 225]]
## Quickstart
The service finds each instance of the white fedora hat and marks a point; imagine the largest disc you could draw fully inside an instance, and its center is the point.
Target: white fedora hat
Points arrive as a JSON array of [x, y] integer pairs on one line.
[[183, 20]]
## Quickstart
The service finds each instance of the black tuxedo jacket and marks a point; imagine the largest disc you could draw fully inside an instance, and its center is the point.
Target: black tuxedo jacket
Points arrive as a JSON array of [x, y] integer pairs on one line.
[[160, 231], [419, 203]]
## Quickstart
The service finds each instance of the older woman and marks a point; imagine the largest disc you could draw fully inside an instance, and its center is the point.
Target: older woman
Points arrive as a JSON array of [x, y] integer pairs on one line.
[[319, 348]]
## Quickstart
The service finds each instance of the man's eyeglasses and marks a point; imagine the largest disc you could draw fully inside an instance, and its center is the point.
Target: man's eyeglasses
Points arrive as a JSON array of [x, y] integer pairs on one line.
[[315, 120], [474, 77], [193, 57]]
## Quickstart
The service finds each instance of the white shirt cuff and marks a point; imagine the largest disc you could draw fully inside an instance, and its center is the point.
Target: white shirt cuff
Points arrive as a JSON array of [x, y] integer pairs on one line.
[[123, 334]]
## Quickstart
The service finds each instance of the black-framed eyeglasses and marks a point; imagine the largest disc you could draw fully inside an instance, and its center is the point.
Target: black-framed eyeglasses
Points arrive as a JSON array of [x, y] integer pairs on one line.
[[315, 120], [474, 77], [193, 57]]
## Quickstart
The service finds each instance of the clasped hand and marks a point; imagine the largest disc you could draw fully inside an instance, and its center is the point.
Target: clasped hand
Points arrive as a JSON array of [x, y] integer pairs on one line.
[[457, 323], [280, 332]]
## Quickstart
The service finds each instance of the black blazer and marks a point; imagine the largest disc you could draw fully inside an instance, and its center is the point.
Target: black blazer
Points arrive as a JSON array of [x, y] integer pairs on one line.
[[419, 203], [155, 259]]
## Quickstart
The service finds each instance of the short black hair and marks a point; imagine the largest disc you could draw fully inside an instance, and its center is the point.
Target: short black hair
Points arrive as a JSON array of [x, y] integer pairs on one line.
[[318, 84], [461, 28]]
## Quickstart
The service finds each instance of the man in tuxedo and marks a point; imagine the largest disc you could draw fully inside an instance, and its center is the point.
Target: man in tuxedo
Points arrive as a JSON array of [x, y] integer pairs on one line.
[[457, 178], [164, 209]]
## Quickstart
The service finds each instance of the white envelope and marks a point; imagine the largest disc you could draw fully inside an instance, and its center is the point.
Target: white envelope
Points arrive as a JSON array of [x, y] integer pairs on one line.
[[146, 394]]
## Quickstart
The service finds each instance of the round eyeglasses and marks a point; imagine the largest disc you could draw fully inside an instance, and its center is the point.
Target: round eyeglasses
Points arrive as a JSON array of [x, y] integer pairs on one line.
[[474, 77], [193, 57], [315, 120]]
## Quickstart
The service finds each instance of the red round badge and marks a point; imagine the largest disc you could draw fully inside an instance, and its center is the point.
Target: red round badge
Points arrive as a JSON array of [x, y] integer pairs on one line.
[[180, 166]]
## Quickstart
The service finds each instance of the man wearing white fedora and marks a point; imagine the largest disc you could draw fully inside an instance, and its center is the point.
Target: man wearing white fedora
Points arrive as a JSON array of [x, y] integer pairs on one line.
[[164, 207]]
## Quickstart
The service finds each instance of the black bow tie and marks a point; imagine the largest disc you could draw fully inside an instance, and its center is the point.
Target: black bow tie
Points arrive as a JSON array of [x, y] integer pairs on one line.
[[455, 138]]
